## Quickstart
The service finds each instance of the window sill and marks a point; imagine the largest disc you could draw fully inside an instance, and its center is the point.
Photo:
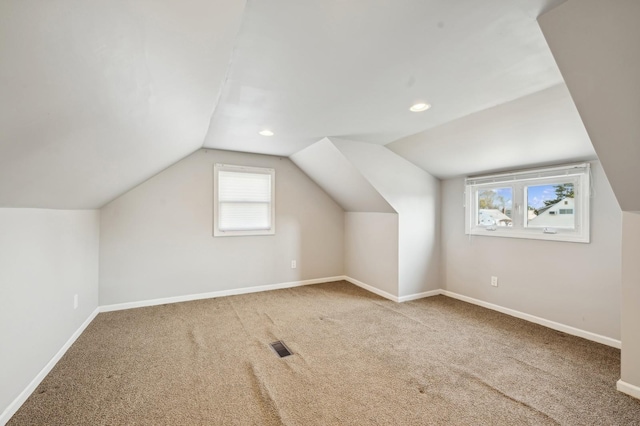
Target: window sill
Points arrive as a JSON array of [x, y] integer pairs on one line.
[[538, 234]]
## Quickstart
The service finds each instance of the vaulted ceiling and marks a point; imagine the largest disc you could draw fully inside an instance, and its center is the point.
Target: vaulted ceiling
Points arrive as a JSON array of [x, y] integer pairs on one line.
[[99, 96]]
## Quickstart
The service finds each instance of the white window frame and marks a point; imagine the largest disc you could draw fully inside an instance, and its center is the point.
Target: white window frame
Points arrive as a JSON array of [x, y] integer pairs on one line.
[[217, 232], [578, 174]]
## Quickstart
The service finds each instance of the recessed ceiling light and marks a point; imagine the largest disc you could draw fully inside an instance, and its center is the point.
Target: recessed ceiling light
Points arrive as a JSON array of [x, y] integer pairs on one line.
[[266, 132], [419, 107]]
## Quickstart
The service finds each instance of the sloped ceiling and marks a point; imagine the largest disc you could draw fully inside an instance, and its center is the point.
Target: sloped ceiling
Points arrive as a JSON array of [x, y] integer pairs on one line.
[[352, 69], [597, 46], [98, 96], [328, 167], [538, 129]]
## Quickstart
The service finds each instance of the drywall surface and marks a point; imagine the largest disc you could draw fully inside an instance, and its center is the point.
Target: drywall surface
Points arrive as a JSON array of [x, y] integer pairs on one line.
[[631, 298], [569, 283], [324, 163], [98, 96], [46, 257], [157, 240], [371, 249], [414, 194], [595, 44], [502, 137]]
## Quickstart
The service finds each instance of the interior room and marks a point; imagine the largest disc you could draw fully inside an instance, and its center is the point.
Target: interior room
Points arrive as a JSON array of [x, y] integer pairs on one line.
[[336, 212]]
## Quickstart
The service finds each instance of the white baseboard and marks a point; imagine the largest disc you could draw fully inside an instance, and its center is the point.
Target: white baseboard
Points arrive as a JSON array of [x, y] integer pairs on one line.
[[214, 294], [419, 295], [390, 296], [628, 388], [17, 403], [372, 289], [545, 322]]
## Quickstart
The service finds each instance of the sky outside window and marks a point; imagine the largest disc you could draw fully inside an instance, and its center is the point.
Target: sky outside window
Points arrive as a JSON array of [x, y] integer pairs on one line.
[[538, 194]]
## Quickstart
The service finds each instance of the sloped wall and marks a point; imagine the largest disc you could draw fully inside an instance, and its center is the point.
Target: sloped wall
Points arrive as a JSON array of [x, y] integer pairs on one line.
[[415, 195], [371, 224], [595, 44], [405, 188]]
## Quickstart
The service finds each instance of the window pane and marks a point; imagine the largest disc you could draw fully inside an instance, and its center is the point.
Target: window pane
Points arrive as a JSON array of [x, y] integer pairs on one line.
[[244, 216], [494, 207], [551, 205]]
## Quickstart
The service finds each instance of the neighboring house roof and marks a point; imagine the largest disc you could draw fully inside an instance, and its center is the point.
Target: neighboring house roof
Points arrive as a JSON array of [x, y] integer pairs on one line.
[[545, 208], [492, 216], [563, 214]]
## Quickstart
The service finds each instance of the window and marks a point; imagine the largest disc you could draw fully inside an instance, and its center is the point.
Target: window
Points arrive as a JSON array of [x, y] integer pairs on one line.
[[550, 204], [243, 201]]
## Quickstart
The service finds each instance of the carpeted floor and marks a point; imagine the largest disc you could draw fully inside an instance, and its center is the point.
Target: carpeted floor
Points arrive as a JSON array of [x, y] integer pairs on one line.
[[358, 360]]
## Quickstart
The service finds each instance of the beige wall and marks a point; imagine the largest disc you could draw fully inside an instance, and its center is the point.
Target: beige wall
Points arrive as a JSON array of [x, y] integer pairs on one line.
[[46, 257], [371, 249], [631, 298], [570, 283], [156, 240], [415, 195], [596, 45]]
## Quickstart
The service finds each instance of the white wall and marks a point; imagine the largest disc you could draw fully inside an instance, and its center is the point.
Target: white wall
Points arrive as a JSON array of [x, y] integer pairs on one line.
[[326, 165], [501, 137], [570, 283], [46, 257], [414, 194], [98, 96], [156, 240], [371, 249]]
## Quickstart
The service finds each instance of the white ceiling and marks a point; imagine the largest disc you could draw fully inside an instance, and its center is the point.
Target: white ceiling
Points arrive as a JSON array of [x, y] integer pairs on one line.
[[352, 68], [327, 166], [99, 96], [537, 129]]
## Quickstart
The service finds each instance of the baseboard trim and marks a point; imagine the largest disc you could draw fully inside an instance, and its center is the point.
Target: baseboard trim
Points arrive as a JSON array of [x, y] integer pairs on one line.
[[214, 294], [24, 395], [541, 321], [628, 388], [390, 296], [419, 295], [372, 289]]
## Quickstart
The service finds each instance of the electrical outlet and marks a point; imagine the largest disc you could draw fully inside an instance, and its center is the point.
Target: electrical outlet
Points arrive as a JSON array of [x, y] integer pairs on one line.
[[294, 265], [494, 281], [75, 301]]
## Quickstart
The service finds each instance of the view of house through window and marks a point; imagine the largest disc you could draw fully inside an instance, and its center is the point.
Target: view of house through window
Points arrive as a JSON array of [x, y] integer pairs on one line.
[[551, 203], [495, 207]]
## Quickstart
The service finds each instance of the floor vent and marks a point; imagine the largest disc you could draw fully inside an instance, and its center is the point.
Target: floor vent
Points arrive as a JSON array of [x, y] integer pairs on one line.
[[281, 349]]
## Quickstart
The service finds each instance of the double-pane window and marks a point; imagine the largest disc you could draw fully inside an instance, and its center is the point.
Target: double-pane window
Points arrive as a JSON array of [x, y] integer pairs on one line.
[[550, 203]]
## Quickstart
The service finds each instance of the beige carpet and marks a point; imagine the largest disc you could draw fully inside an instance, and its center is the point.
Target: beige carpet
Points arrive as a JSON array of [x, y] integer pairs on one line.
[[359, 360]]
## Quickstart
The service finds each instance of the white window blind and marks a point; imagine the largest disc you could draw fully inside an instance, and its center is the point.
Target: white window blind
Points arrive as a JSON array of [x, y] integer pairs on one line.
[[243, 199], [558, 171]]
